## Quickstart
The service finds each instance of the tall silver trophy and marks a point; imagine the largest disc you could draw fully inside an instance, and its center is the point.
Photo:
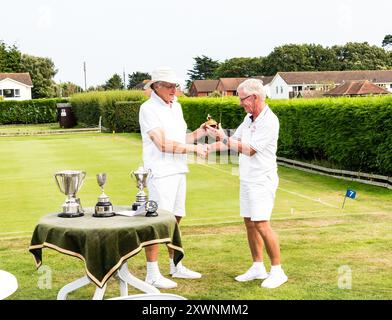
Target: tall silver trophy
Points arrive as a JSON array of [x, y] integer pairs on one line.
[[69, 183], [104, 207], [141, 175]]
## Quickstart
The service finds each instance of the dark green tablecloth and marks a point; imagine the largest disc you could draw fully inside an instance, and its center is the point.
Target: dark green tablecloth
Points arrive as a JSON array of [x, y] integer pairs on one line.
[[104, 243]]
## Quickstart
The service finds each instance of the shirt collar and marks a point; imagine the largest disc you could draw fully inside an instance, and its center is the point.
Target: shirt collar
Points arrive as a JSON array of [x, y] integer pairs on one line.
[[158, 99], [261, 115]]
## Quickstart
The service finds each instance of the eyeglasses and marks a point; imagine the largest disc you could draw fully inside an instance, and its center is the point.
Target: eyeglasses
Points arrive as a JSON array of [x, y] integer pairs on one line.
[[243, 99]]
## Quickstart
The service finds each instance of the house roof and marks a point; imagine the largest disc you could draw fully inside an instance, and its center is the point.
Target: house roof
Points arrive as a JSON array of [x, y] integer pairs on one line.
[[205, 85], [266, 79], [20, 77], [364, 87], [310, 77], [231, 84]]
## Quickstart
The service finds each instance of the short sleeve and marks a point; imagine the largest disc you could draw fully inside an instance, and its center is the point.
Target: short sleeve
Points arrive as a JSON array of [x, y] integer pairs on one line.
[[148, 119], [265, 136]]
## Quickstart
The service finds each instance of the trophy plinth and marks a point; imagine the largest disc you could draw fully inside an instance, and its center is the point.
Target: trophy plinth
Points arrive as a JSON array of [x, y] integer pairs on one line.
[[103, 208], [141, 175], [69, 183]]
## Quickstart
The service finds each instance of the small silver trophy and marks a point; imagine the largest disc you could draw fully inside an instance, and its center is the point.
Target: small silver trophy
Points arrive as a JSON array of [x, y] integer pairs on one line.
[[141, 175], [69, 183], [104, 207]]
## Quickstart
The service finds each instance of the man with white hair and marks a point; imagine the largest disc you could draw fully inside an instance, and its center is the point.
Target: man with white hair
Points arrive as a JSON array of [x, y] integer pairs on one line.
[[256, 141], [165, 145]]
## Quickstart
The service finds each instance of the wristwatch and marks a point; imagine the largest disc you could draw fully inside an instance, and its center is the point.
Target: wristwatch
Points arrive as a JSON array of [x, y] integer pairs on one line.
[[225, 140]]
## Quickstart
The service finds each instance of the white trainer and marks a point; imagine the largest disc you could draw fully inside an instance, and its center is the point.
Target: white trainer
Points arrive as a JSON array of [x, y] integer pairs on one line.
[[160, 282], [274, 280], [252, 274], [182, 272]]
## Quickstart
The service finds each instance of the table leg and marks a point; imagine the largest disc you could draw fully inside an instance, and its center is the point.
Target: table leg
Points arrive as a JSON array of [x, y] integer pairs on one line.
[[123, 287], [99, 292], [124, 275], [81, 282]]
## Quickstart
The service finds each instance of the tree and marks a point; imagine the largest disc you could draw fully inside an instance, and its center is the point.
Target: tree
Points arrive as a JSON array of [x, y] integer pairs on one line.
[[240, 68], [136, 77], [362, 56], [114, 83], [387, 42], [42, 71], [203, 68], [66, 89], [10, 58], [300, 57]]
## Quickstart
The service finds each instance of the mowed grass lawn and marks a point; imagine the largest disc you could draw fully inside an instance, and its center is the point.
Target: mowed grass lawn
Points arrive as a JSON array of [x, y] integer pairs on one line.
[[322, 245]]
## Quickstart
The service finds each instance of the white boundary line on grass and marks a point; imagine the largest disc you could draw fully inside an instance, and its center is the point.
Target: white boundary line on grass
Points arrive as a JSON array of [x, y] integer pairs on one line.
[[285, 190]]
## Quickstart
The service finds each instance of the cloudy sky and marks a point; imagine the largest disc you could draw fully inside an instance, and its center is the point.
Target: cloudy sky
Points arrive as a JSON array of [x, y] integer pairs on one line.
[[123, 35]]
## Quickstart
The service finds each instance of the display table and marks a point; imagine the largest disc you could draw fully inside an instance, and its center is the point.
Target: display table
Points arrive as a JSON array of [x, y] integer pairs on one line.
[[105, 244]]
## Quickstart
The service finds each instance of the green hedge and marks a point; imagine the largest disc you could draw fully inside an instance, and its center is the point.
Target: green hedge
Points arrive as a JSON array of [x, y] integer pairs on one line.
[[224, 110], [89, 106], [29, 111], [349, 133]]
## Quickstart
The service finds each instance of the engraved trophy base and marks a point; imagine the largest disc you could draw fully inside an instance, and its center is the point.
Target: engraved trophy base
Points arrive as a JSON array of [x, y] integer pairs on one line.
[[72, 209], [104, 210]]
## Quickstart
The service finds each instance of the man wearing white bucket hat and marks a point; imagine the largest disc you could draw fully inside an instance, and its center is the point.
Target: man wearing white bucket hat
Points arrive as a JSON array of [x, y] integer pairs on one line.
[[165, 147]]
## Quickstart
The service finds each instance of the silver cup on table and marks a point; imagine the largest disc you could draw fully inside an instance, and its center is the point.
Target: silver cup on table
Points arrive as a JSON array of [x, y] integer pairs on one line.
[[69, 183], [104, 207], [141, 176]]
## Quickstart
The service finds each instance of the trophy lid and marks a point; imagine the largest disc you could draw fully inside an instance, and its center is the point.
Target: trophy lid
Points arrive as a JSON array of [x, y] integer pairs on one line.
[[210, 122]]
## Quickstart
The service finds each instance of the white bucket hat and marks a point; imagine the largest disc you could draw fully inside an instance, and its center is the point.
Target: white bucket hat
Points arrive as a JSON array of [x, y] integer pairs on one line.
[[165, 74]]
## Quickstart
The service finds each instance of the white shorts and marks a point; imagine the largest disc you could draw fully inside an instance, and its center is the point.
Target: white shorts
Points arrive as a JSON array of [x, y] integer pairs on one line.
[[257, 199], [169, 192]]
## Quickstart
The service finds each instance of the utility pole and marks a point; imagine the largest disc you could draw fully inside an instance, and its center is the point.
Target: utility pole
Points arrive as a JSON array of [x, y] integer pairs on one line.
[[85, 82], [125, 85]]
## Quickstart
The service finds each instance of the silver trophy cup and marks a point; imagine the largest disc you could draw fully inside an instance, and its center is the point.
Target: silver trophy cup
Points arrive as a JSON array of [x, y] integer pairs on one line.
[[104, 207], [69, 183], [141, 175]]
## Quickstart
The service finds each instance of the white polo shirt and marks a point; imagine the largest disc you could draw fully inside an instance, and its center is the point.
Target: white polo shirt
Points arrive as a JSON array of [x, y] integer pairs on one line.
[[156, 113], [262, 135]]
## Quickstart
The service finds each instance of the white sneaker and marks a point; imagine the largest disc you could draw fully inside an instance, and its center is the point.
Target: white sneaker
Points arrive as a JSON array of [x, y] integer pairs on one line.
[[252, 274], [182, 272], [160, 282], [274, 280]]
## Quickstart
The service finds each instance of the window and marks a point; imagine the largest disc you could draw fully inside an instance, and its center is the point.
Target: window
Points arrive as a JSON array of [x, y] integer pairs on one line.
[[1, 92], [281, 89], [17, 92], [277, 90], [8, 93], [389, 86]]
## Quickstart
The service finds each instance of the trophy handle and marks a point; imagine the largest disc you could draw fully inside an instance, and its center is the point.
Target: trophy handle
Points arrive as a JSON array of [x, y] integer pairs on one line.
[[58, 183], [81, 180], [150, 175]]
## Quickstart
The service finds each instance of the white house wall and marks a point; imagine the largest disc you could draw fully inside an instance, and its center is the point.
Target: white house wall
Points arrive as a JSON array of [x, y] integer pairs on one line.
[[279, 89], [25, 91]]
